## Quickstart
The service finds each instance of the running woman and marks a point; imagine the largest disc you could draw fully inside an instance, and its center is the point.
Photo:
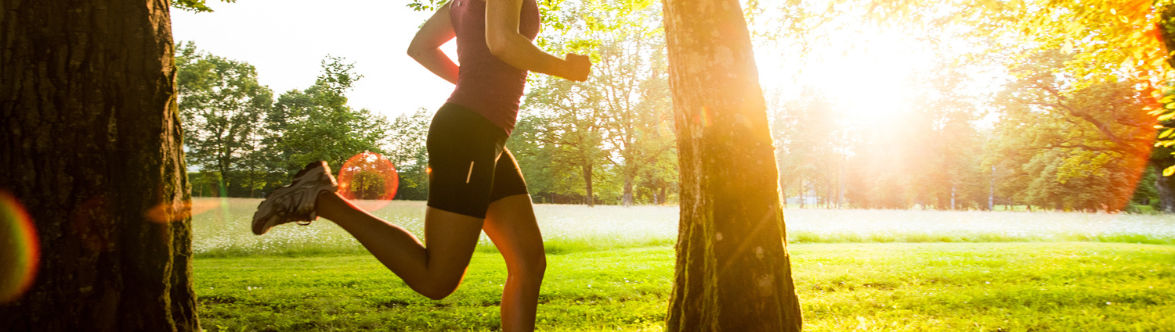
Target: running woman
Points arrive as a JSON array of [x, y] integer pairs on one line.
[[474, 182]]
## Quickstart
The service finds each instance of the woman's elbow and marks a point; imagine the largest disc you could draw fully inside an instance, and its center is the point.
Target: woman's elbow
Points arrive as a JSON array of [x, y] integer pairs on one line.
[[498, 46], [418, 48], [415, 51]]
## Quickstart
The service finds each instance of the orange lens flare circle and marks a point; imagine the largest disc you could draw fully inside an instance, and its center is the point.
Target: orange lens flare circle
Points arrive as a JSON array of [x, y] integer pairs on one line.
[[368, 176], [20, 250]]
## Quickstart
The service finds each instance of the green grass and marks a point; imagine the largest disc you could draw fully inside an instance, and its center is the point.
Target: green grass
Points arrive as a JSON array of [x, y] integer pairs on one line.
[[987, 286], [591, 290], [1062, 286], [610, 268]]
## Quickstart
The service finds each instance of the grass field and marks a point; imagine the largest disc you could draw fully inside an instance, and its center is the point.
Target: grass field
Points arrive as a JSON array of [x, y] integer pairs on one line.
[[610, 268]]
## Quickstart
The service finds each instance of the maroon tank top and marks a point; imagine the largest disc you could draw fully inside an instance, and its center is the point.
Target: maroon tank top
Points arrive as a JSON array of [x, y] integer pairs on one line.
[[485, 84]]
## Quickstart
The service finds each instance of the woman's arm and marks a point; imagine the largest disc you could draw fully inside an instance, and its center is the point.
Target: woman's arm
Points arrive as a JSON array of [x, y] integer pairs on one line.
[[507, 44], [426, 45]]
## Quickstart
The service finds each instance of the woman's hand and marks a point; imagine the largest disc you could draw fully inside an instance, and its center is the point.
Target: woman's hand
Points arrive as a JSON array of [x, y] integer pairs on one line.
[[504, 42], [578, 67]]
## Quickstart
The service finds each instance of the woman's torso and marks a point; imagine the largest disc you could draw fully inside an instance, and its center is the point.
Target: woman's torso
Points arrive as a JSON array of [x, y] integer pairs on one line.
[[486, 84]]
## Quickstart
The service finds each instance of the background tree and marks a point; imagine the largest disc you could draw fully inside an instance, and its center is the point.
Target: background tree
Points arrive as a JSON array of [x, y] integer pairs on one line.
[[1163, 157], [630, 76], [613, 130], [733, 269], [911, 151], [1107, 40], [247, 144], [221, 104], [575, 129], [407, 151], [805, 134], [317, 124], [535, 156], [195, 5], [925, 155], [1087, 145], [91, 148]]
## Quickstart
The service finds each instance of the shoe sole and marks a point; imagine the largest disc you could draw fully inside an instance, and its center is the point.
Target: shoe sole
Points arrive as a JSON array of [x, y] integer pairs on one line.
[[264, 226]]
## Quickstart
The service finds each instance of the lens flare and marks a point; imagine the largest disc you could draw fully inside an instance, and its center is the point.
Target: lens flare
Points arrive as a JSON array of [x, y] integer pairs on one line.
[[705, 118], [179, 210], [369, 180], [20, 251]]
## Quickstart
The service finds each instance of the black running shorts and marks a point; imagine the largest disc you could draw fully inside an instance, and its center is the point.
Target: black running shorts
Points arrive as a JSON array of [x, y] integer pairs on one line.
[[469, 166]]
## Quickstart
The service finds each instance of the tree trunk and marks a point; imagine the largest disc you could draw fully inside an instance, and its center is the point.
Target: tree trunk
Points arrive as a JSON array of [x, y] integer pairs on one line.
[[90, 144], [626, 198], [1165, 185], [587, 180], [782, 190], [803, 194], [733, 269], [952, 197], [224, 167]]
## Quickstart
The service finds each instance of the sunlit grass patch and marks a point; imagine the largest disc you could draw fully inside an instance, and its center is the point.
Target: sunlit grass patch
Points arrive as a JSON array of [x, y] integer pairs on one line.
[[1052, 286], [599, 289], [1061, 286]]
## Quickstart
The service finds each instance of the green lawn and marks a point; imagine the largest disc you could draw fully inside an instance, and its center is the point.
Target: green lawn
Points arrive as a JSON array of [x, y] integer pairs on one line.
[[1030, 286]]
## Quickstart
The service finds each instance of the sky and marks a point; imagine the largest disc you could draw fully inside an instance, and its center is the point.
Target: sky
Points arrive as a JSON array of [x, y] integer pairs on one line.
[[287, 39], [871, 72]]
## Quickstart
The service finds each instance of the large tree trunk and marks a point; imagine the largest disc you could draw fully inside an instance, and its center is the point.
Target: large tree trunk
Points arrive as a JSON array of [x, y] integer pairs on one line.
[[733, 270], [90, 143]]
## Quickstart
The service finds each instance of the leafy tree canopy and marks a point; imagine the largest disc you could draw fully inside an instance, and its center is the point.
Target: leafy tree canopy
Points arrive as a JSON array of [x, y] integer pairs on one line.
[[198, 6]]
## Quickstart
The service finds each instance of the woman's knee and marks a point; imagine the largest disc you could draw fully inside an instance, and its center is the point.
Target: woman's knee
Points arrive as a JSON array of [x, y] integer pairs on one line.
[[436, 294], [439, 288], [540, 265], [531, 267]]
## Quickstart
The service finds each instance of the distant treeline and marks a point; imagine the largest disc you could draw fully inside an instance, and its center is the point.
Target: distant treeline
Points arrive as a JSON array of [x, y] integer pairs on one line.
[[1052, 146], [1042, 142]]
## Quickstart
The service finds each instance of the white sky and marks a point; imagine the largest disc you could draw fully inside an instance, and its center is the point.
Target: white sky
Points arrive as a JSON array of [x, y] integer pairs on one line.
[[287, 39], [872, 74]]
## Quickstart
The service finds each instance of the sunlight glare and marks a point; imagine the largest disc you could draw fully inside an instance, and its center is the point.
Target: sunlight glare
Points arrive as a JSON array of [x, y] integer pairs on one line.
[[369, 180], [179, 210], [869, 75], [20, 251]]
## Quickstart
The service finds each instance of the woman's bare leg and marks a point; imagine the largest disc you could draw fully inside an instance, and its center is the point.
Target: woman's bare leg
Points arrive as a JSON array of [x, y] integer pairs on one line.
[[511, 224], [434, 271]]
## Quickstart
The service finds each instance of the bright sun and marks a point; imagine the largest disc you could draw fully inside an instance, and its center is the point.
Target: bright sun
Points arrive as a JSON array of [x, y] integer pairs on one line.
[[870, 78], [867, 74]]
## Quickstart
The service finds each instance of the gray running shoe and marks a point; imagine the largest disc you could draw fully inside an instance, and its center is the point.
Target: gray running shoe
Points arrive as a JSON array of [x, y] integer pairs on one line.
[[295, 202]]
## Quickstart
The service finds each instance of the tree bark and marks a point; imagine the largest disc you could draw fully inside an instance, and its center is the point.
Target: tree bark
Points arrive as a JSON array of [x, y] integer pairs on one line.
[[1166, 189], [586, 170], [803, 193], [1165, 185], [626, 198], [90, 144], [733, 269]]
